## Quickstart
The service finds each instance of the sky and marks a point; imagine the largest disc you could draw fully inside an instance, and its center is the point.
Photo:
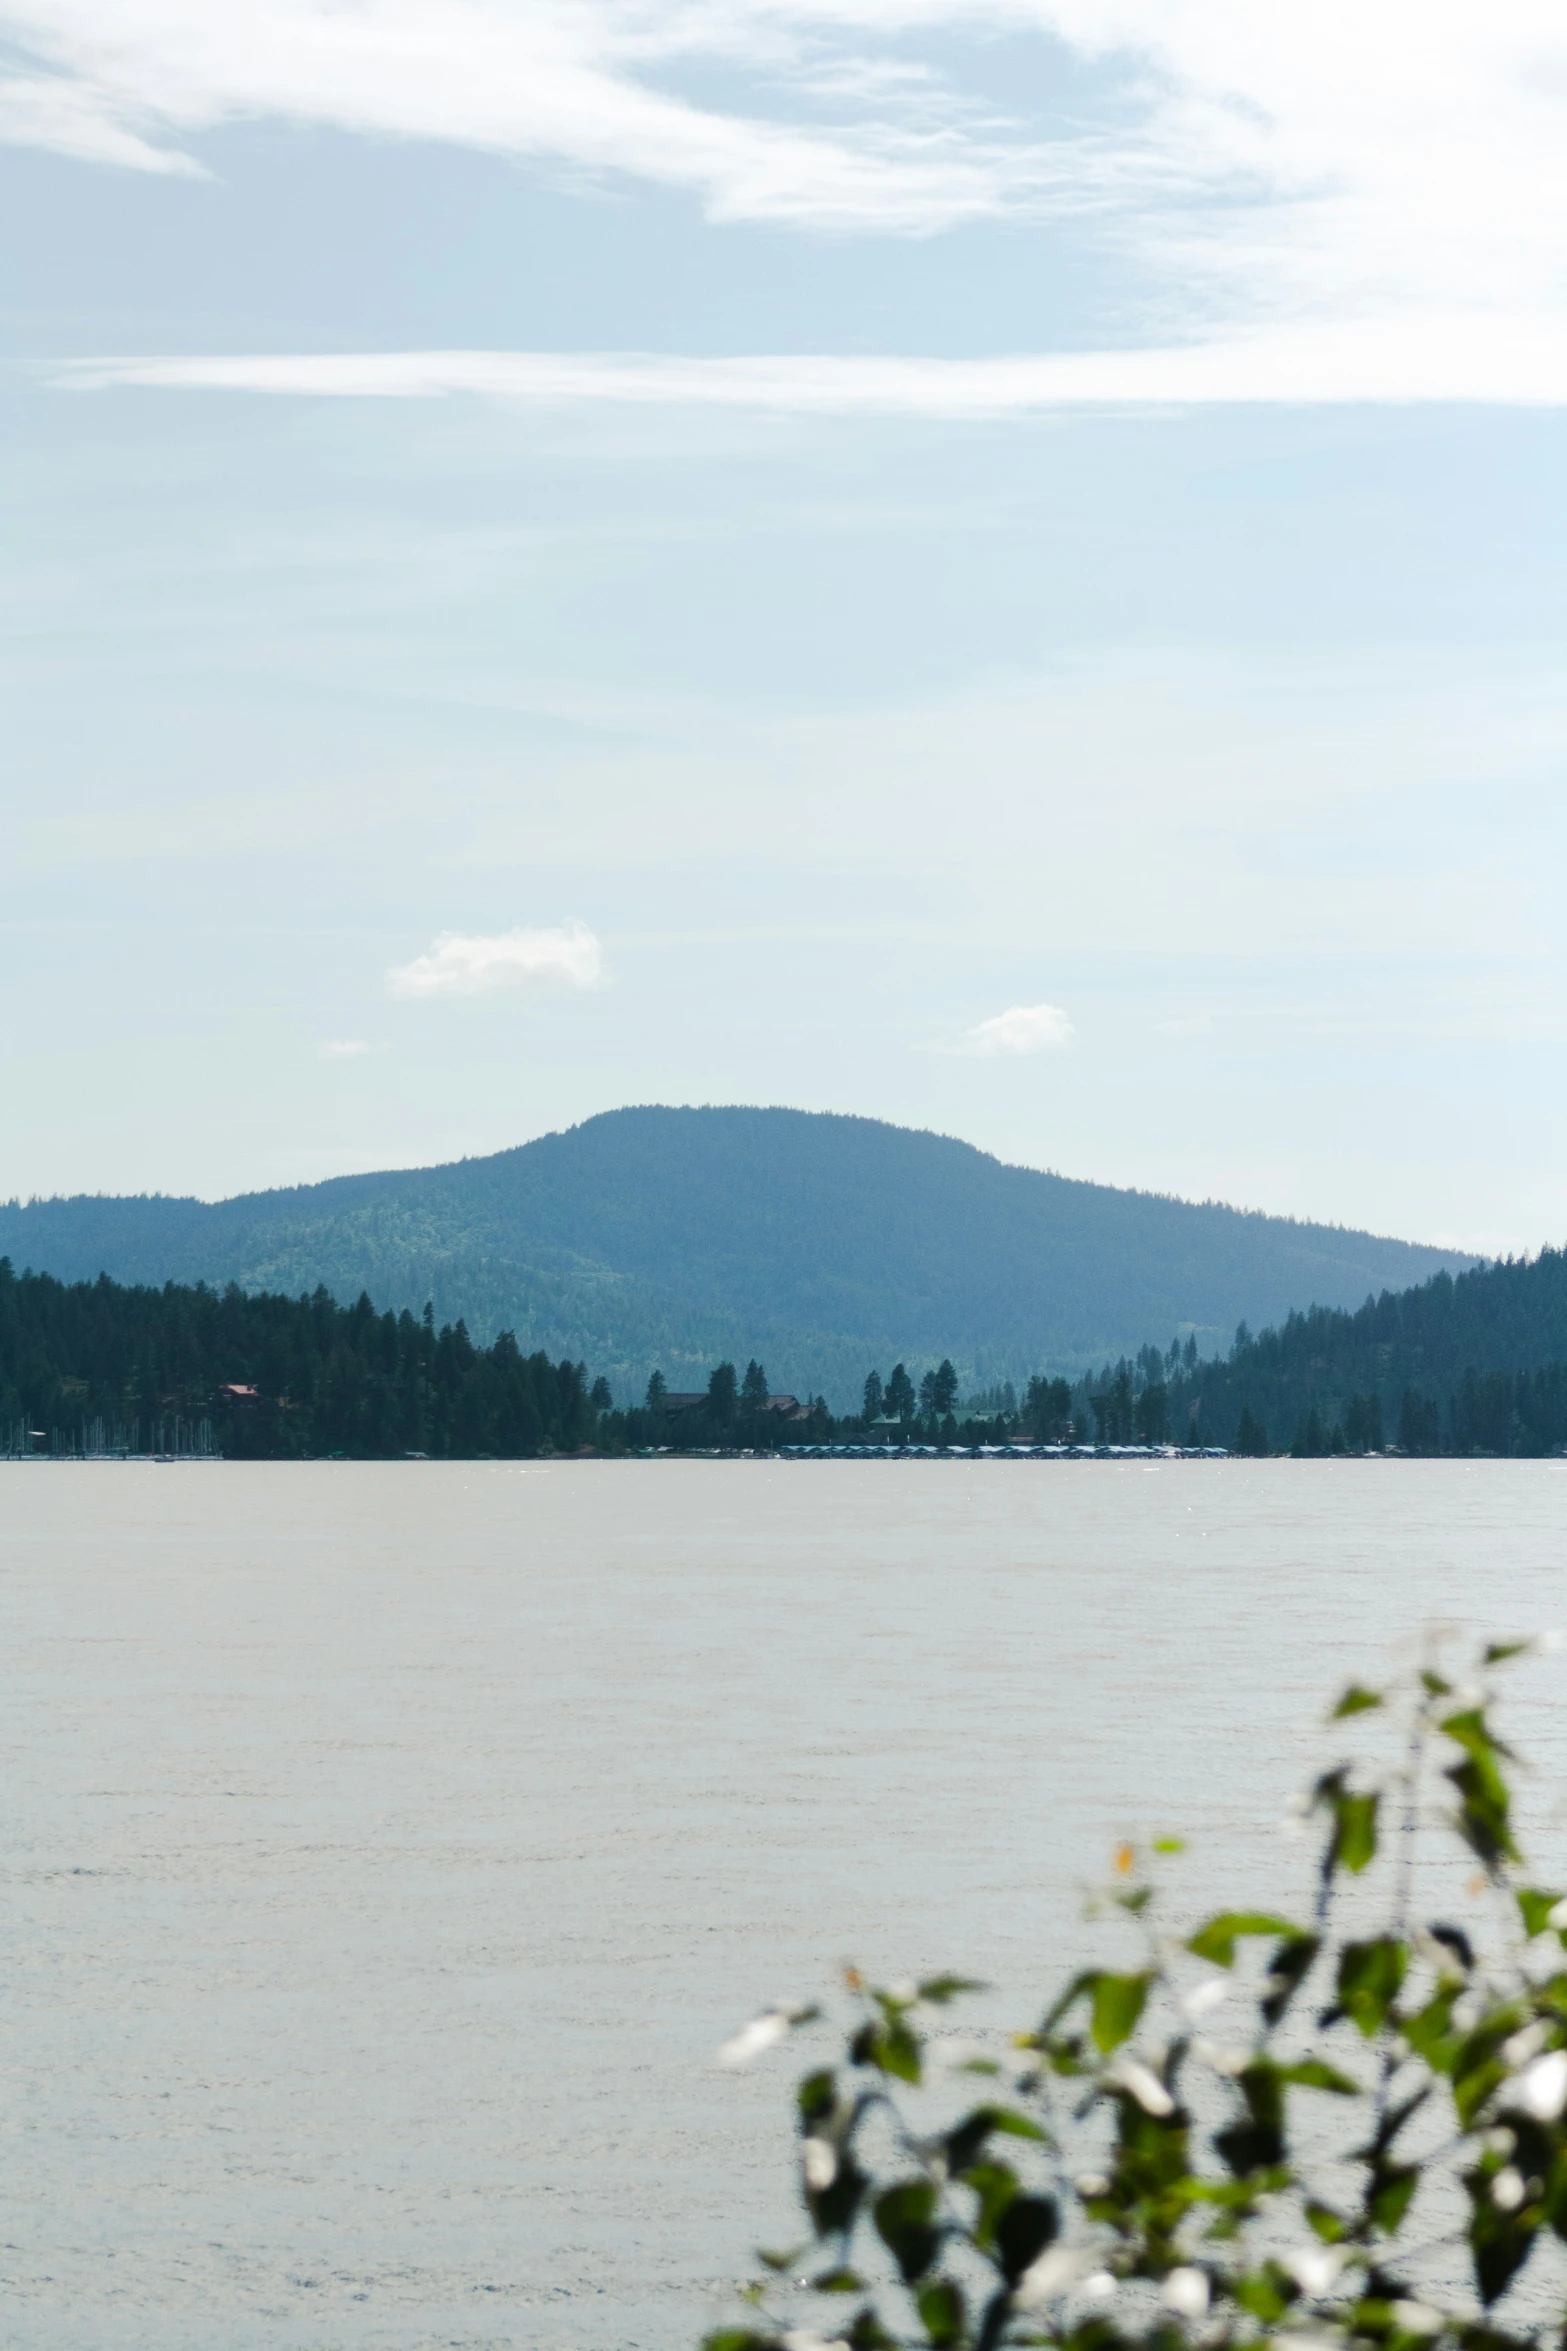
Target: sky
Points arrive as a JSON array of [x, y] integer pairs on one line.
[[997, 564]]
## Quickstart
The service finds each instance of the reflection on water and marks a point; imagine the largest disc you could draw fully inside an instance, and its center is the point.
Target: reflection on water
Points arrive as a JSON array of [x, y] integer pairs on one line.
[[389, 1846]]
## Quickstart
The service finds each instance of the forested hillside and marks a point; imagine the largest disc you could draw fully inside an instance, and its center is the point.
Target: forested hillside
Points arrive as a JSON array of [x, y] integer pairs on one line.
[[94, 1366], [1472, 1364], [679, 1237]]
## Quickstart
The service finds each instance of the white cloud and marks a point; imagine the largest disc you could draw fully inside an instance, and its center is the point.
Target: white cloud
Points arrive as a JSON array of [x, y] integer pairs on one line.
[[1336, 162], [342, 1049], [583, 81], [1026, 1028], [1519, 361], [464, 965]]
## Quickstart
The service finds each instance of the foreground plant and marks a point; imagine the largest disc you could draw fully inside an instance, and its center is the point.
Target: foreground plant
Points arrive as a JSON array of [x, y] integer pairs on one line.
[[1373, 2153]]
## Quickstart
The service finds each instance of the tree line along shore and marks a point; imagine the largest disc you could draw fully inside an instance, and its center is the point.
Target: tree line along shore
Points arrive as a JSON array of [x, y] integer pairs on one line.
[[1475, 1364]]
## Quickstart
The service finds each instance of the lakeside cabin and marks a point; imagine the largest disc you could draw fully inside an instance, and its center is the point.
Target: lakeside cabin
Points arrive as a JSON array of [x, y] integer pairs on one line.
[[698, 1399]]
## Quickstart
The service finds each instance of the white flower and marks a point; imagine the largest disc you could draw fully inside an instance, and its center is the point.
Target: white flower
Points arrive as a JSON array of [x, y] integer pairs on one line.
[[1185, 2291], [1507, 2189], [1091, 2183], [1501, 2141], [764, 2032], [1525, 2044], [1541, 2089], [819, 2162], [1205, 1997], [807, 2339], [1418, 2318], [1056, 2272], [1223, 2057], [1315, 2268], [1130, 2074], [1099, 2286], [1556, 1916], [1301, 2341]]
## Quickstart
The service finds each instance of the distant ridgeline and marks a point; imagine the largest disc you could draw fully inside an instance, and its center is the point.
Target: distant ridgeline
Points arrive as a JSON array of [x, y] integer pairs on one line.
[[94, 1367], [679, 1238], [1476, 1364]]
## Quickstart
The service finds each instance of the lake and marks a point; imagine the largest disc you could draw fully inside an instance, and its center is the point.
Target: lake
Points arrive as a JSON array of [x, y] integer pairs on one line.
[[388, 1846]]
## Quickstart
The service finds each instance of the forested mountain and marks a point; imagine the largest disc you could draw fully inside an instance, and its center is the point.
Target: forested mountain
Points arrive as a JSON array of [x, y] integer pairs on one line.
[[92, 1366], [676, 1237], [1476, 1364]]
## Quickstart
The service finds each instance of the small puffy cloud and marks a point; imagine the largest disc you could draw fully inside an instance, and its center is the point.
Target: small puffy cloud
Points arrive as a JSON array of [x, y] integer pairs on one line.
[[342, 1048], [463, 964], [1026, 1028]]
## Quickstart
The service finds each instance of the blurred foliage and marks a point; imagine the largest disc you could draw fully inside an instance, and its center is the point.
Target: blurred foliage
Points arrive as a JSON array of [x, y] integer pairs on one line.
[[1374, 2154]]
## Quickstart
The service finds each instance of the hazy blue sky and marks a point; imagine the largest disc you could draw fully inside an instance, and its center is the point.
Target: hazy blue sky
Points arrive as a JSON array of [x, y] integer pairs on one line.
[[1001, 566]]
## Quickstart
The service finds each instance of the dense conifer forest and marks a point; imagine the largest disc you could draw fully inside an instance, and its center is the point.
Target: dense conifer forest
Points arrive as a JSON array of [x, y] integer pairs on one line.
[[1476, 1365], [95, 1366], [1472, 1364]]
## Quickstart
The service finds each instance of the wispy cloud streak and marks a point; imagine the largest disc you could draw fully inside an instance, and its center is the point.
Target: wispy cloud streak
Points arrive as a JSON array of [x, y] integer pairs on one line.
[[1521, 362]]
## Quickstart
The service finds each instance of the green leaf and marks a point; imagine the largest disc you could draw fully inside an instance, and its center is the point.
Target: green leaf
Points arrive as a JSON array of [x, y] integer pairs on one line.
[[905, 2222], [816, 2097], [837, 2281], [1391, 2194], [738, 2339], [1325, 2223], [966, 2139], [783, 2263], [1477, 2066], [994, 2186], [1017, 2126], [1484, 1803], [1169, 1844], [890, 2046], [1267, 2293], [1217, 1939], [940, 2305], [1288, 1969], [1255, 2140], [1355, 1830], [1356, 1700], [1535, 1909], [1119, 2001], [1499, 2242], [833, 2208], [1498, 1652], [1312, 2074], [1025, 2228], [1370, 1975], [1429, 2031], [940, 1989]]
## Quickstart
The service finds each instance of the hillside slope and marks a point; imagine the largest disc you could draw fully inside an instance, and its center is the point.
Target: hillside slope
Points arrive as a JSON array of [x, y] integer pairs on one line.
[[1472, 1365], [676, 1236]]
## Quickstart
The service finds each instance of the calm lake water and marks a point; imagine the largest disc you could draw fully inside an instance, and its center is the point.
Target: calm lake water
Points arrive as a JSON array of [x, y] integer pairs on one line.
[[388, 1847]]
